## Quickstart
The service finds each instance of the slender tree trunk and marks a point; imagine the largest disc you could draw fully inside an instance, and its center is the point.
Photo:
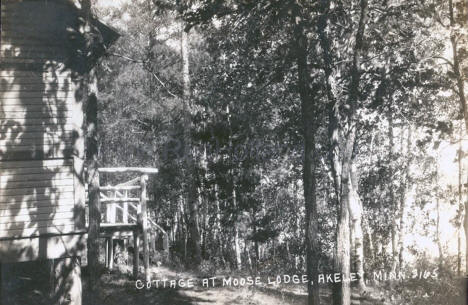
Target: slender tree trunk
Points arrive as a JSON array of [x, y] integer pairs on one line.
[[392, 202], [457, 65], [192, 202], [438, 240], [466, 232], [355, 209], [308, 109], [460, 201], [341, 293], [370, 239], [247, 254], [460, 83], [256, 258], [342, 135], [218, 229], [237, 247], [404, 184]]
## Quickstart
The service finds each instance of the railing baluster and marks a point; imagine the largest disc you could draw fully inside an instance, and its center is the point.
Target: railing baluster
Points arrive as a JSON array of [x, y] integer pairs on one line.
[[125, 209], [108, 208], [144, 225]]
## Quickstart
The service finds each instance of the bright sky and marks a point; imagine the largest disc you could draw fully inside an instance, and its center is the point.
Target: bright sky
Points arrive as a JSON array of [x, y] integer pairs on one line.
[[107, 3]]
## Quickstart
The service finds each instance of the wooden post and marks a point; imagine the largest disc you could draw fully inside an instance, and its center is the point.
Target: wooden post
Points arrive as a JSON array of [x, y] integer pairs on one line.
[[125, 210], [111, 253], [144, 226], [125, 250], [113, 210], [136, 253], [106, 256], [110, 210]]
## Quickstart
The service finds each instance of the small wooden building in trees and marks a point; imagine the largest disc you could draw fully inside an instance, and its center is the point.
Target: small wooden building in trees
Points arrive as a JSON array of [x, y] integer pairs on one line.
[[45, 56]]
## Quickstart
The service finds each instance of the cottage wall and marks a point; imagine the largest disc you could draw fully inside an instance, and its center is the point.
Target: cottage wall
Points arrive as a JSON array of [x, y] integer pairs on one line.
[[41, 135]]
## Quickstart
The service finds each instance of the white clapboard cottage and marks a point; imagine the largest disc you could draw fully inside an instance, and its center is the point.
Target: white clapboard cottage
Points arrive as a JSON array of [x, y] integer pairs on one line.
[[42, 194]]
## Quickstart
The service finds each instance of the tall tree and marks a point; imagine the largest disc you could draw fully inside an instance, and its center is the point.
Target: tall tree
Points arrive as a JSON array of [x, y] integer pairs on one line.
[[456, 28], [342, 136], [191, 178], [309, 113], [296, 15], [89, 88]]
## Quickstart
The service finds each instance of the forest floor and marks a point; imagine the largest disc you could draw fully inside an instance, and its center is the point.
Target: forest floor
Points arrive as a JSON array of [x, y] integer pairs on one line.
[[118, 288]]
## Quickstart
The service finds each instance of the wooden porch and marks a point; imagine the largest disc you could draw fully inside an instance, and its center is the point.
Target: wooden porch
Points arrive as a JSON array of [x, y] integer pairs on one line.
[[125, 217]]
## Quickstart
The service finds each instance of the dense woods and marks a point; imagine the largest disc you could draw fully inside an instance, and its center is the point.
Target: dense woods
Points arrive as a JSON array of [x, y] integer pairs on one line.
[[298, 137]]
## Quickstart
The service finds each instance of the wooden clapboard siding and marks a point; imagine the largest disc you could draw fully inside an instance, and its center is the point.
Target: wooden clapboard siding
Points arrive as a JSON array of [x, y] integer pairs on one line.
[[37, 184], [18, 115], [13, 222], [38, 230], [33, 50], [15, 188], [28, 124], [37, 153], [41, 86], [29, 84], [36, 204], [28, 249], [36, 131], [32, 223], [19, 74], [37, 197], [44, 77], [42, 108], [59, 172], [68, 188], [35, 164], [56, 195], [19, 143], [47, 144], [54, 94], [42, 190], [37, 211], [45, 101], [10, 220]]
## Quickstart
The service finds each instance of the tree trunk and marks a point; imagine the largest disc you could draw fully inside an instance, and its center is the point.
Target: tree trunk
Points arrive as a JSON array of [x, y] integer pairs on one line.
[[392, 203], [460, 201], [438, 240], [457, 65], [247, 254], [192, 202], [466, 234], [460, 83], [309, 130], [218, 229], [90, 89], [355, 211], [256, 257], [237, 248], [370, 239], [342, 293], [342, 135], [405, 180]]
